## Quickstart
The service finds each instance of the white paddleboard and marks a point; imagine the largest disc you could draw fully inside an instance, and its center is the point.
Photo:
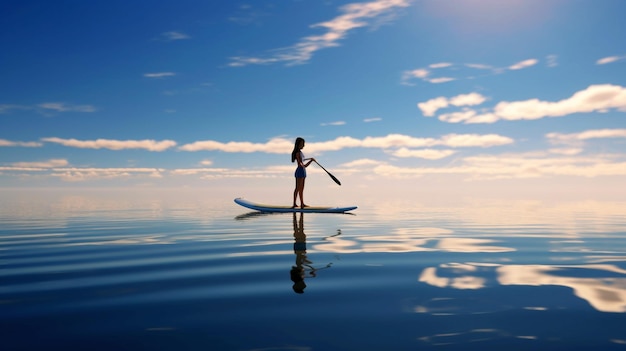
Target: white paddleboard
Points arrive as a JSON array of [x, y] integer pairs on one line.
[[279, 208]]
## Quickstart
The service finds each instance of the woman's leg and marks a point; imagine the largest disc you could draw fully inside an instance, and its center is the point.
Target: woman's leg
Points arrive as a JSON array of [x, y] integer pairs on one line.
[[295, 193], [300, 187]]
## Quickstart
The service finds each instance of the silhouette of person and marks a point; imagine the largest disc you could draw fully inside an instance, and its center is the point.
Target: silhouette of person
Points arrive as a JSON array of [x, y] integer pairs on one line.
[[303, 264], [300, 174]]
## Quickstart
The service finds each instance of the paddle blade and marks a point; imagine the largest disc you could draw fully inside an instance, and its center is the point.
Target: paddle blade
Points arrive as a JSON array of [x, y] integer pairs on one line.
[[335, 179], [332, 176]]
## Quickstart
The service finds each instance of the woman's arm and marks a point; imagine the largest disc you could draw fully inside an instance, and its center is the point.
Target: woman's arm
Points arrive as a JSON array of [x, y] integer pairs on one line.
[[301, 161]]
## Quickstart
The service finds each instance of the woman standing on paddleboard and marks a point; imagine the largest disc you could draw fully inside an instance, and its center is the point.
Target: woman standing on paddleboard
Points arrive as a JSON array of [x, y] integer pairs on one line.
[[297, 155]]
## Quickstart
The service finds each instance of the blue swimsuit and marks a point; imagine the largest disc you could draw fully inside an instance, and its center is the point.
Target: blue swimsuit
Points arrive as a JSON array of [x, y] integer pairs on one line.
[[301, 171]]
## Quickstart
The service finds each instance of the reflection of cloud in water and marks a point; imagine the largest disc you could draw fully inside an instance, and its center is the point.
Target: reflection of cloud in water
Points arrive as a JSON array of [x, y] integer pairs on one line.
[[465, 337], [411, 240], [530, 218], [143, 240], [606, 294], [605, 290], [470, 245], [448, 306], [429, 275]]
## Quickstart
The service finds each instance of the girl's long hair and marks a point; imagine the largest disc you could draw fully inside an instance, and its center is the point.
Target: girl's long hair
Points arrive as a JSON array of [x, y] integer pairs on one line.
[[296, 148]]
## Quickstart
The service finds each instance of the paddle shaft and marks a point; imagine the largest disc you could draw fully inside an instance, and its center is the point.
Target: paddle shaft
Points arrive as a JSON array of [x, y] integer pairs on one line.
[[332, 176]]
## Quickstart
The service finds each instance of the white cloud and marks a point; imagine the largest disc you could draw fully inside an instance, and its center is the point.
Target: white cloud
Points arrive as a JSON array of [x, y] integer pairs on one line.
[[58, 168], [515, 166], [281, 145], [475, 140], [456, 117], [150, 145], [574, 138], [610, 59], [420, 73], [336, 123], [470, 99], [566, 151], [523, 64], [173, 35], [275, 146], [373, 119], [454, 71], [430, 107], [206, 163], [46, 164], [552, 60], [440, 65], [63, 107], [46, 107], [159, 74], [441, 80], [4, 142], [429, 154], [595, 98], [354, 16], [194, 171], [86, 174], [479, 66], [364, 162]]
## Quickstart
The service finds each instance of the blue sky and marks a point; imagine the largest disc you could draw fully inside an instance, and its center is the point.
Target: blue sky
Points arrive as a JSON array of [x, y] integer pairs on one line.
[[213, 93]]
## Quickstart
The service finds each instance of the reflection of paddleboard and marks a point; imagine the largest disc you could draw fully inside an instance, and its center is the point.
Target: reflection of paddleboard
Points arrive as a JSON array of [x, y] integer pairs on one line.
[[275, 208]]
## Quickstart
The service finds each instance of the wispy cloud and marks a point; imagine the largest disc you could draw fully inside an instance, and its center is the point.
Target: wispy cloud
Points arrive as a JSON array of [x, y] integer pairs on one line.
[[354, 16], [9, 143], [77, 174], [336, 123], [6, 108], [43, 164], [595, 98], [159, 74], [273, 146], [58, 168], [150, 145], [429, 154], [48, 107], [63, 107], [610, 59], [391, 141], [173, 35], [576, 138], [373, 119], [514, 166], [443, 72], [247, 14], [364, 162], [523, 64], [552, 60]]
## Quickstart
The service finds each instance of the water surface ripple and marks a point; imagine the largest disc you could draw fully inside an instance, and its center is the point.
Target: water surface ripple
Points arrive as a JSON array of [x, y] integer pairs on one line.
[[79, 272]]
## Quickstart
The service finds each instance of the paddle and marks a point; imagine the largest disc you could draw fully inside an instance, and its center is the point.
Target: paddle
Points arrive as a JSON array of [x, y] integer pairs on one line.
[[332, 176]]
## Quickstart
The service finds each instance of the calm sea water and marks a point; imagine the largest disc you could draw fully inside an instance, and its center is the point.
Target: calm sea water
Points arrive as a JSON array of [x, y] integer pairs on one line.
[[123, 272]]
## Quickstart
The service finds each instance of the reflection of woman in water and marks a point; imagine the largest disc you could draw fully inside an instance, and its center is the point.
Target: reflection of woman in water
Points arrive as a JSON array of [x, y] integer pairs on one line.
[[303, 264], [299, 248]]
